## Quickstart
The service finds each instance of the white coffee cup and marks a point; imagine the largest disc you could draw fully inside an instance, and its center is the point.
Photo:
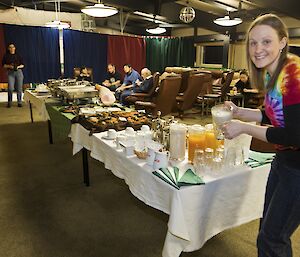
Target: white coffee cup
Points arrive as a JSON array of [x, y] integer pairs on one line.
[[111, 133], [150, 156], [119, 138], [161, 160], [145, 128], [128, 150], [129, 131]]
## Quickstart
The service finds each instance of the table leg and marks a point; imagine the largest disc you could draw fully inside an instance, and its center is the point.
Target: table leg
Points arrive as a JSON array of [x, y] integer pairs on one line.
[[86, 175], [30, 109], [50, 132]]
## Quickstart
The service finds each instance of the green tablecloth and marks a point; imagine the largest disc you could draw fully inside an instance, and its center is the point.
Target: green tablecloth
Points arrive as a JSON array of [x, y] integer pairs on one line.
[[60, 122]]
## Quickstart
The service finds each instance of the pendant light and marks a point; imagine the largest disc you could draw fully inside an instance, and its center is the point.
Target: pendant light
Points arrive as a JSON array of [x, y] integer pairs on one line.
[[155, 29], [227, 21], [99, 10], [57, 23], [187, 14]]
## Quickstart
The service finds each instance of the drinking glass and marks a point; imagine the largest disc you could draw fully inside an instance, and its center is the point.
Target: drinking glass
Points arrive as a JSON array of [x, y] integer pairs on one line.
[[199, 161], [210, 137], [218, 161], [196, 140], [239, 156], [230, 157], [209, 155]]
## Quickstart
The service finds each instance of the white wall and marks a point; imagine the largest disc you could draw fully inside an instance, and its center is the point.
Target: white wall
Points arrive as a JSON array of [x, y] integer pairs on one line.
[[25, 16]]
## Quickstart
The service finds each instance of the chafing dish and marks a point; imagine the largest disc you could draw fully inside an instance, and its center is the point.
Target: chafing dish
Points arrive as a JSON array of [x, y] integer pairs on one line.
[[75, 92]]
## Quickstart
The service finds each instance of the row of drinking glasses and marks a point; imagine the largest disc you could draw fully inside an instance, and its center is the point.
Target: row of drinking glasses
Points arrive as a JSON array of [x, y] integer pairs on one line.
[[213, 162]]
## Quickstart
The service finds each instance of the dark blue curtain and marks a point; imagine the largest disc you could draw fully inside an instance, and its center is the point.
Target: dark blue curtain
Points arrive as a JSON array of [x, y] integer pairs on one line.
[[85, 49], [39, 48]]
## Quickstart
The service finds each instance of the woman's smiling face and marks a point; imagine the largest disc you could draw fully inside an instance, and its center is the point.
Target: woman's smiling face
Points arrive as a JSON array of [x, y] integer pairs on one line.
[[265, 47]]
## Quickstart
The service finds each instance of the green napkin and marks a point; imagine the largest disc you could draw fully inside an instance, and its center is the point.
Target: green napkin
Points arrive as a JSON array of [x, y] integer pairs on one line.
[[261, 157], [257, 159], [189, 178]]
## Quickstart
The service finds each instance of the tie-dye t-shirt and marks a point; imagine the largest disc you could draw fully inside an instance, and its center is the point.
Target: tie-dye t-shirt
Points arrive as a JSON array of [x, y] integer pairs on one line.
[[285, 93]]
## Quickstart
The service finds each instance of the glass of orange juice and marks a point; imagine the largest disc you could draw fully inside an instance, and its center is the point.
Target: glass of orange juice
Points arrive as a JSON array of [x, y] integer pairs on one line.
[[211, 141], [196, 140]]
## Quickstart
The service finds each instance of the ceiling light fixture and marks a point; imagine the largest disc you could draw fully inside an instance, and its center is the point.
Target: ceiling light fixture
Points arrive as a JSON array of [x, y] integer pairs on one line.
[[187, 14], [57, 23], [227, 21], [99, 10], [156, 30]]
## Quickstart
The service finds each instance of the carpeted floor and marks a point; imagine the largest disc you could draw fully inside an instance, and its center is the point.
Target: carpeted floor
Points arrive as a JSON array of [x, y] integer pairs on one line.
[[46, 211]]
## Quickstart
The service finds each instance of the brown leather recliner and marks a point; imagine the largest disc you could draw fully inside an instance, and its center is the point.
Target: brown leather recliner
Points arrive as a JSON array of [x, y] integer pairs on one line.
[[196, 84], [145, 96], [165, 99]]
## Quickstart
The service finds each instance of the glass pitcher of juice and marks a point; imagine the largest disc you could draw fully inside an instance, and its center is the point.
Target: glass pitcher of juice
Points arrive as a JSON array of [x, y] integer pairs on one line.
[[196, 140], [210, 137]]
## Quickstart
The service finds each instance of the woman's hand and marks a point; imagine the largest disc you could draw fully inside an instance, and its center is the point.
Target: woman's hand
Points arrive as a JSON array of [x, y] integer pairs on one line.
[[234, 128], [233, 107]]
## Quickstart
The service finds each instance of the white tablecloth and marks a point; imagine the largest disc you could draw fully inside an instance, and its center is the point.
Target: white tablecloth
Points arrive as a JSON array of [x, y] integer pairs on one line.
[[196, 213], [39, 102]]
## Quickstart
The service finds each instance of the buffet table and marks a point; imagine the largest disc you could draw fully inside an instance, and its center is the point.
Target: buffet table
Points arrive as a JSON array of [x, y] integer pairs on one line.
[[196, 213], [39, 102]]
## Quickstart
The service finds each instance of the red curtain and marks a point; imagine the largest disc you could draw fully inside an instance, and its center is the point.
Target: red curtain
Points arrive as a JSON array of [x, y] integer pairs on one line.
[[3, 75], [124, 49]]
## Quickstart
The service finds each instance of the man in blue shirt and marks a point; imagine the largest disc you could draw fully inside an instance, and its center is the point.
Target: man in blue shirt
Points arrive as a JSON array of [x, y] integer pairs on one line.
[[131, 77], [139, 86]]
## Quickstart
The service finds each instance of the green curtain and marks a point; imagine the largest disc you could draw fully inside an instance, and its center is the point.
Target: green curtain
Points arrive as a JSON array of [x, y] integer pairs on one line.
[[163, 52]]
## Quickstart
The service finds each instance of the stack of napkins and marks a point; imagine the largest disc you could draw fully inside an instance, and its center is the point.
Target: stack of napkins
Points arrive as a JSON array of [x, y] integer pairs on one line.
[[171, 176], [257, 159]]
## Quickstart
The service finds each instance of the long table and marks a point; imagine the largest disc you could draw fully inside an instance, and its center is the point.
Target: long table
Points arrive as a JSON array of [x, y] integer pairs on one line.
[[39, 102], [196, 213], [47, 107]]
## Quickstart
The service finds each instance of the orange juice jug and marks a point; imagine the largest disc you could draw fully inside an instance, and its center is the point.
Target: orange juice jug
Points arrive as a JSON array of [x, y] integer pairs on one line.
[[196, 140]]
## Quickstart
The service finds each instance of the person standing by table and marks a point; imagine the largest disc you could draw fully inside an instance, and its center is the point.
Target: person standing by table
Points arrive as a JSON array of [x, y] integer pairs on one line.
[[14, 64], [277, 73]]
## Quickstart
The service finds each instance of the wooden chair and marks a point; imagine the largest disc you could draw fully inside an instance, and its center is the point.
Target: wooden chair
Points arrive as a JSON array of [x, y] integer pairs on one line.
[[165, 99]]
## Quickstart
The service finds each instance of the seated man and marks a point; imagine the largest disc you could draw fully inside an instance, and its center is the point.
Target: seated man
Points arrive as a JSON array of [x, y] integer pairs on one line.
[[131, 76], [113, 78], [139, 86], [84, 75]]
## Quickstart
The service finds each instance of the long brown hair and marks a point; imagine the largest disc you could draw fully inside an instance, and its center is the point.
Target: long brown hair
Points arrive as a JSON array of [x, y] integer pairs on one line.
[[256, 74]]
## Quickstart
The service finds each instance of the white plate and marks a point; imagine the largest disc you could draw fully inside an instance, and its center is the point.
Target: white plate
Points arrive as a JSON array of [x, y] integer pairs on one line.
[[108, 138]]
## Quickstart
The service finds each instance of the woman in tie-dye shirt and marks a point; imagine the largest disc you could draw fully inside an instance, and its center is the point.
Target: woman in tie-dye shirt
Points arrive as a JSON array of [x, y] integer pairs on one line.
[[276, 72]]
